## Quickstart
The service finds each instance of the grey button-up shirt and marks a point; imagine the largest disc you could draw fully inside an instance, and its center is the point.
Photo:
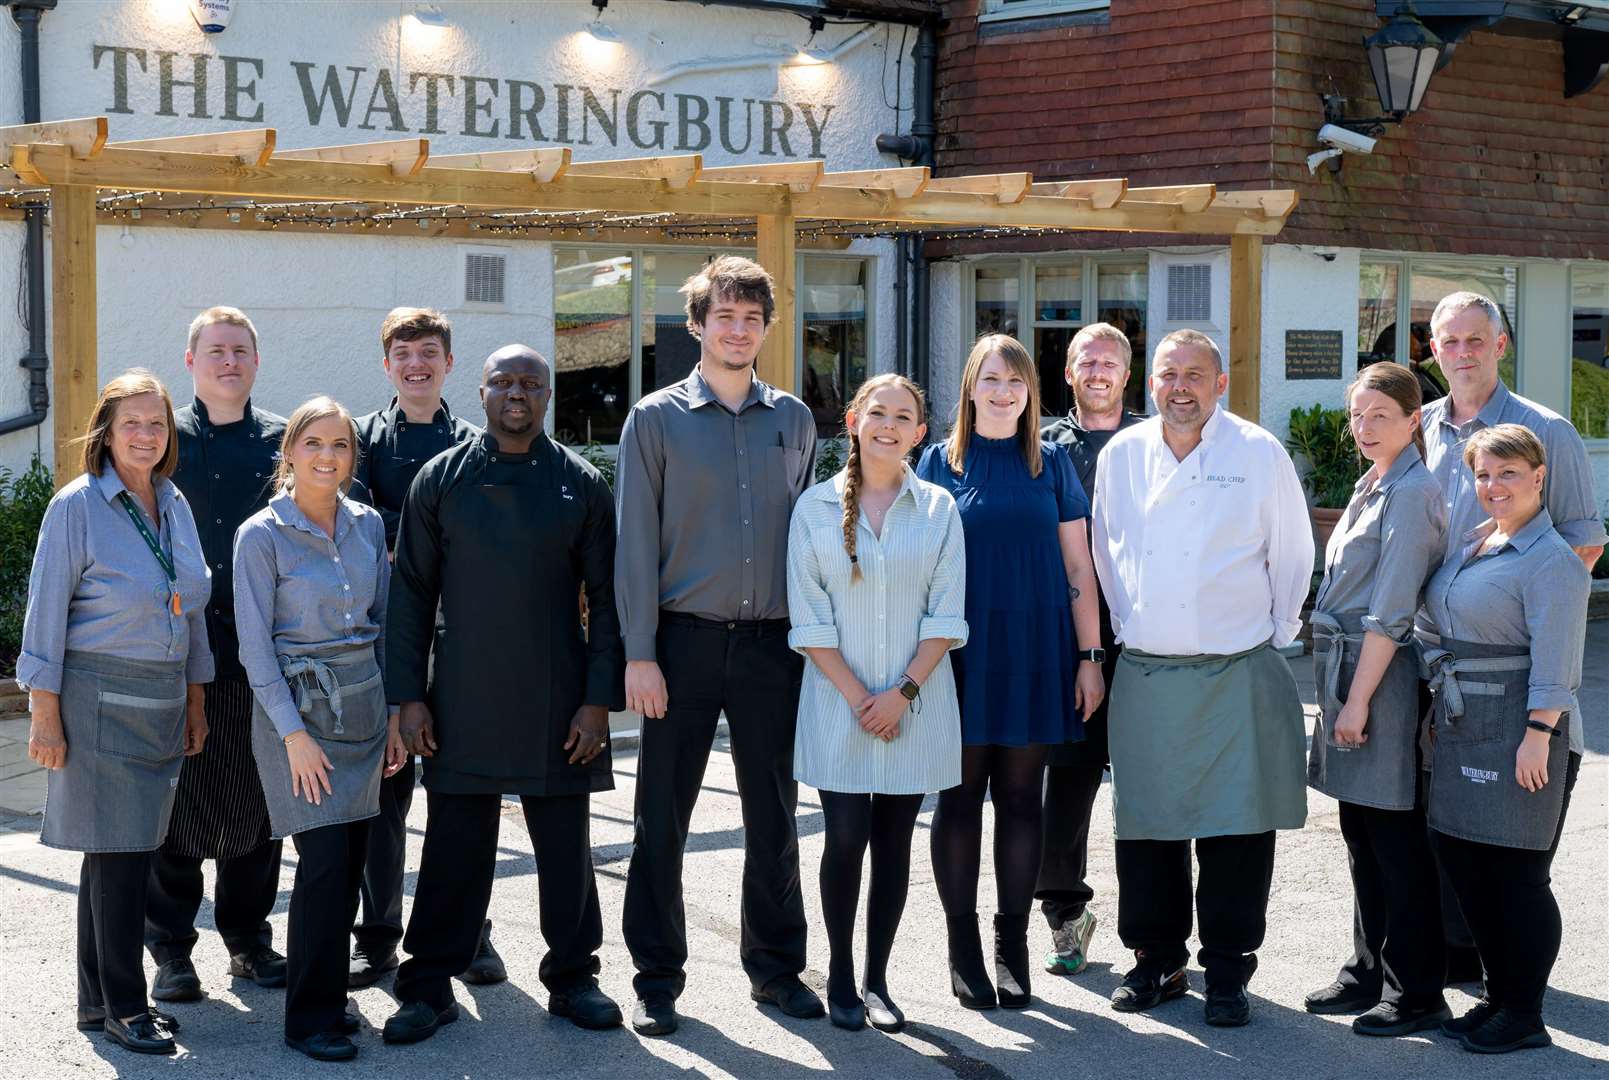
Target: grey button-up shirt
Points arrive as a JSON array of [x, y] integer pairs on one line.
[[704, 499], [1532, 591], [1385, 547], [1567, 492], [300, 593], [96, 587]]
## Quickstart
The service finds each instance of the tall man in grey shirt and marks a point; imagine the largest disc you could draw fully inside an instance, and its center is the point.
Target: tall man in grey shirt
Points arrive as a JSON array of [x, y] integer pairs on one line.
[[708, 473]]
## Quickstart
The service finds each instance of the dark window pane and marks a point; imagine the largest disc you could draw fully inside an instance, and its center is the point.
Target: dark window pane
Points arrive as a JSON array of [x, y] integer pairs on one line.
[[592, 344], [1120, 298], [1050, 352], [832, 306], [1059, 293], [995, 299], [1430, 281], [668, 350]]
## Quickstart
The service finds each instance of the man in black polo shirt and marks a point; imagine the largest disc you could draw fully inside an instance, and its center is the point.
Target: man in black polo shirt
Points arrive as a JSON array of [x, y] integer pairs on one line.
[[395, 443], [227, 455]]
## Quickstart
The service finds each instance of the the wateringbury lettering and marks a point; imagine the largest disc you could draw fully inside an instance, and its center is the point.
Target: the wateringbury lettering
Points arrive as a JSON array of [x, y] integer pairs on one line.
[[203, 87]]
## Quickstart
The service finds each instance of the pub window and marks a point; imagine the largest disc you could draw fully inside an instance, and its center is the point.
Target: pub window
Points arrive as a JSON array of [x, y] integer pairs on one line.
[[833, 356], [1023, 9], [1589, 350]]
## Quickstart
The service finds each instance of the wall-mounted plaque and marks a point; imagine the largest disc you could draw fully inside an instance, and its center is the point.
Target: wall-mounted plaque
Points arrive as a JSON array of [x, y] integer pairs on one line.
[[1312, 354]]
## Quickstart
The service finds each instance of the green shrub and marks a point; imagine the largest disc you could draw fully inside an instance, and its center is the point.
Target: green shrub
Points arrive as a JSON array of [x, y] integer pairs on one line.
[[22, 508], [1600, 569], [829, 459], [599, 458], [1320, 435], [1589, 398]]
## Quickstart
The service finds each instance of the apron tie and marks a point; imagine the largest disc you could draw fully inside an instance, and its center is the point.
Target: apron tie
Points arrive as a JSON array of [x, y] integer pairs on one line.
[[308, 676], [1332, 632], [1444, 667]]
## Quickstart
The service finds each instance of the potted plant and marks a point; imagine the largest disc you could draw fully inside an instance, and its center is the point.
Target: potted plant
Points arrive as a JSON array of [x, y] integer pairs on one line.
[[1322, 438]]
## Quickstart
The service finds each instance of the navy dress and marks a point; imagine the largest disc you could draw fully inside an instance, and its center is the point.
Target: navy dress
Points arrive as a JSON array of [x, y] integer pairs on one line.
[[1016, 674]]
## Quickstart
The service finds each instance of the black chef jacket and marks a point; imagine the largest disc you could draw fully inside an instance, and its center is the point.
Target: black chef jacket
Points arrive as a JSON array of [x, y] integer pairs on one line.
[[506, 543], [226, 472], [392, 451]]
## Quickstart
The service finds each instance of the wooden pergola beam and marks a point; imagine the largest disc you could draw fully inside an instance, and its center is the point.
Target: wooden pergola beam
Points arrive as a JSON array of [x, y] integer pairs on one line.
[[1276, 205], [405, 157], [85, 137], [252, 147], [1191, 198], [75, 366], [544, 165], [1008, 189], [904, 183], [1246, 326], [775, 248], [800, 176], [676, 171], [1102, 194]]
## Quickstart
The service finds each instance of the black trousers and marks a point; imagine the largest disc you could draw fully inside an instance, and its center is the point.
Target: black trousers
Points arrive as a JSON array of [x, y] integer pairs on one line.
[[455, 887], [244, 895], [747, 670], [381, 890], [1062, 891], [323, 903], [111, 906], [1398, 949], [1231, 898], [1506, 896]]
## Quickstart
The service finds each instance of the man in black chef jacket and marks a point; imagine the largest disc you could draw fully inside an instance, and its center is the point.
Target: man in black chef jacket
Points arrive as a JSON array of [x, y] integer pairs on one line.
[[228, 451], [506, 532], [394, 444]]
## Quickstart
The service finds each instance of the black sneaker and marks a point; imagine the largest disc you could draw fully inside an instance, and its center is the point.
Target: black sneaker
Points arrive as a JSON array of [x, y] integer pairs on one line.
[[487, 967], [260, 964], [1392, 1018], [1506, 1030], [1474, 1018], [417, 1021], [1227, 1005], [176, 980], [654, 1014], [1338, 998], [585, 1006], [1148, 986], [369, 963]]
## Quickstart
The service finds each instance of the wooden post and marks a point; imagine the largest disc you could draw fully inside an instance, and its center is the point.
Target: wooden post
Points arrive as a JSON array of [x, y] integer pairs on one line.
[[72, 320], [778, 362], [1246, 327]]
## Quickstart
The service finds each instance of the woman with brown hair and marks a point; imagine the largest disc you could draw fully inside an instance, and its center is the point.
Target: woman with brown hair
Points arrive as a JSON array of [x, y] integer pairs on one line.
[[1026, 678], [311, 577], [1365, 742], [876, 588], [114, 657]]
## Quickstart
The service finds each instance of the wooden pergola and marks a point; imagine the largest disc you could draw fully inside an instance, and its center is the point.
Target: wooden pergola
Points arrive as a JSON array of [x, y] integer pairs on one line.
[[242, 179]]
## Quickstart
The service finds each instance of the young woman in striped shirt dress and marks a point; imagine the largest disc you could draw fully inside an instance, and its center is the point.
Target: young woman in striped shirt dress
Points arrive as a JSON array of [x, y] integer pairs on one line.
[[876, 596]]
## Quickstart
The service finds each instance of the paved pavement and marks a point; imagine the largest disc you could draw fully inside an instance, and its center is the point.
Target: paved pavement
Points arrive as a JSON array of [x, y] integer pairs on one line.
[[1070, 1031]]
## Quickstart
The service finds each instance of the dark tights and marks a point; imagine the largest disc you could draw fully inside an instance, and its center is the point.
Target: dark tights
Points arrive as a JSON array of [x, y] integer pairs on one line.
[[1013, 778], [884, 822]]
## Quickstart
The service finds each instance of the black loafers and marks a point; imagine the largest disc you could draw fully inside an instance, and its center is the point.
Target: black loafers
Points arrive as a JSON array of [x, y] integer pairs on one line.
[[261, 965], [793, 997], [586, 1006], [417, 1021], [1148, 986], [93, 1018], [655, 1015], [1227, 1006], [325, 1046], [487, 967], [176, 980], [142, 1035], [1338, 998], [1391, 1018]]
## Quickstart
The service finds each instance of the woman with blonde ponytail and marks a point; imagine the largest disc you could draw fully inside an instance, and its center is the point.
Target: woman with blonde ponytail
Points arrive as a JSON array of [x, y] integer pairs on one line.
[[876, 592]]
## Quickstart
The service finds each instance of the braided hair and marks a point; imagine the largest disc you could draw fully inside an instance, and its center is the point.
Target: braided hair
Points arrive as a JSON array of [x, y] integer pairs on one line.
[[852, 477]]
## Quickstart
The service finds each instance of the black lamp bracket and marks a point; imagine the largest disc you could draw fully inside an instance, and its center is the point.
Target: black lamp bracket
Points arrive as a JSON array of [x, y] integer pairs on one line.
[[1372, 126]]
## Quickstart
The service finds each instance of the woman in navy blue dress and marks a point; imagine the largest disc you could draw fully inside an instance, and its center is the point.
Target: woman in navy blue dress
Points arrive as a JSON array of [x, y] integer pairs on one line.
[[1023, 682]]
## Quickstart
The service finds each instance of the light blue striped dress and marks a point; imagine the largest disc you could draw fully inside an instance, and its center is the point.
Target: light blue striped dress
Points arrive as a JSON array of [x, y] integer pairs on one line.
[[913, 587]]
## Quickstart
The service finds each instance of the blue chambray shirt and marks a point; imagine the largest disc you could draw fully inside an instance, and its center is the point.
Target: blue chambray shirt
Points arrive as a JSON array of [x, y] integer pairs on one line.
[[96, 587]]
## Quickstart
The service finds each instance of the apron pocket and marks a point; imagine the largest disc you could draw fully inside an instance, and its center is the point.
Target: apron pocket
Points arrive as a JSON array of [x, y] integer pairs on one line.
[[144, 729], [363, 713]]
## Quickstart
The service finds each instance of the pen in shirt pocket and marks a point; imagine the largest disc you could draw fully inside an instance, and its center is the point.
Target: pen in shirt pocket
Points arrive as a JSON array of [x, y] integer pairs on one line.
[[779, 439]]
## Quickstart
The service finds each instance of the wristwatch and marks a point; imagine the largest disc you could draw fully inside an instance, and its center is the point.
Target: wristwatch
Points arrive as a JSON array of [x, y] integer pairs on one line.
[[908, 688], [1097, 655]]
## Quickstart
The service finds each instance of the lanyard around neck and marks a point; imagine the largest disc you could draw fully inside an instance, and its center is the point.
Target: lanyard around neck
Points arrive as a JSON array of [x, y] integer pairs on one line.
[[163, 559]]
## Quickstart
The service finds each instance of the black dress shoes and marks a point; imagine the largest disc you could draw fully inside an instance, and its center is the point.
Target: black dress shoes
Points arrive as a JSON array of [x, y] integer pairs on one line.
[[176, 980], [487, 967], [1340, 997], [143, 1035], [1148, 986], [1390, 1018], [1227, 1005], [93, 1018], [325, 1046], [848, 1017], [585, 1006], [654, 1015], [793, 997], [417, 1021], [1011, 977], [882, 1013], [369, 964], [260, 964]]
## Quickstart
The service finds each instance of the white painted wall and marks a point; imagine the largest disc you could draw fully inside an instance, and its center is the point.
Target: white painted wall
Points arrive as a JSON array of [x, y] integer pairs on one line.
[[950, 330], [1306, 288]]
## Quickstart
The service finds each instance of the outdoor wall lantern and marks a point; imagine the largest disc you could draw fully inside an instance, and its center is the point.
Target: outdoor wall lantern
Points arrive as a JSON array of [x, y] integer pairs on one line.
[[1403, 54]]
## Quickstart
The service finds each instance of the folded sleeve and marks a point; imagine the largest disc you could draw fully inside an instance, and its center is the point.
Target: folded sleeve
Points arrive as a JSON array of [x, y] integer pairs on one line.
[[60, 559], [1556, 617], [1570, 498], [947, 593], [810, 607]]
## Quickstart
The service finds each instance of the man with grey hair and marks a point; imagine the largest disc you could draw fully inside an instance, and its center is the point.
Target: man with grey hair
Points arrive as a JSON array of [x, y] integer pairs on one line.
[[1205, 553], [1098, 362], [1468, 339]]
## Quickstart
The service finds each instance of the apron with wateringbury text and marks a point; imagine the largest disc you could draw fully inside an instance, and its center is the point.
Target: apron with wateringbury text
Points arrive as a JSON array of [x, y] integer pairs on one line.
[[124, 724], [1383, 772], [1206, 745], [1479, 722], [343, 706]]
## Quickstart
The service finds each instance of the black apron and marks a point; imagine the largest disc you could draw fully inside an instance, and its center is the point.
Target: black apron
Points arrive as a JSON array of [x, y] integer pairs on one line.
[[1383, 772]]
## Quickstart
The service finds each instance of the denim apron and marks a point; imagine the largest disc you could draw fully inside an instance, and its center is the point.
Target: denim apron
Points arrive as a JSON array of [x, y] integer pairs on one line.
[[124, 724], [342, 703], [1381, 773], [1478, 723]]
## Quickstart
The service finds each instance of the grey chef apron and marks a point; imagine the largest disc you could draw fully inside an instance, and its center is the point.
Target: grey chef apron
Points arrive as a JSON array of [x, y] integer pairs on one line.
[[1383, 772], [1205, 745], [342, 703], [1479, 721], [124, 723]]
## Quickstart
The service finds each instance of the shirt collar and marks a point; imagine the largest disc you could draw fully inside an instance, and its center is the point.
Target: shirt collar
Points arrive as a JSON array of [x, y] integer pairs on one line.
[[1399, 468], [287, 513], [1490, 414], [202, 415], [111, 485], [1215, 423], [1529, 533], [833, 490], [393, 412], [699, 393]]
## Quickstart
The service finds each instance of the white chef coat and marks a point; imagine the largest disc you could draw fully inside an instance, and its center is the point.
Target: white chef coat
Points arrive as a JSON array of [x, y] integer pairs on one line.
[[1209, 555]]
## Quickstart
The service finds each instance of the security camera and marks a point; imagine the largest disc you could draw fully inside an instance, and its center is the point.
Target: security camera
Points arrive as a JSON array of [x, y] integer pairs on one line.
[[1345, 139]]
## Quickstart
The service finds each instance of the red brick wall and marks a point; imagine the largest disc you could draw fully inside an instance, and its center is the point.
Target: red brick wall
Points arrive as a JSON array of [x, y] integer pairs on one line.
[[1497, 161]]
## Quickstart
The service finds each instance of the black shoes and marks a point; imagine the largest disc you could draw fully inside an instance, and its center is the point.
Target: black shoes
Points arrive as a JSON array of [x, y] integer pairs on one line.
[[1474, 1018], [176, 980], [585, 1006], [369, 963], [1391, 1018], [324, 1046], [654, 1015], [1227, 1005], [793, 997], [969, 978], [1506, 1030], [1338, 998], [260, 964], [417, 1021], [1011, 961], [487, 967], [93, 1018], [142, 1035], [1148, 986], [848, 1017], [882, 1013]]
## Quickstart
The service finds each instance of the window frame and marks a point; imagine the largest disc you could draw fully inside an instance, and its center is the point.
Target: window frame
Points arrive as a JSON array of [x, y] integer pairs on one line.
[[1006, 10], [1405, 266], [1601, 442]]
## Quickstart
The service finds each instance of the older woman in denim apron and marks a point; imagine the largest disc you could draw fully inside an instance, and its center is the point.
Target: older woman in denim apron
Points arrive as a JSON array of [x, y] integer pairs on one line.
[[1506, 628], [1364, 747], [311, 575], [112, 636]]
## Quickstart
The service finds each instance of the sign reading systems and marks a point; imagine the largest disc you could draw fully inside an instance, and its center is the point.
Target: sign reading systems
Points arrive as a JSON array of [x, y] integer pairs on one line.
[[350, 96]]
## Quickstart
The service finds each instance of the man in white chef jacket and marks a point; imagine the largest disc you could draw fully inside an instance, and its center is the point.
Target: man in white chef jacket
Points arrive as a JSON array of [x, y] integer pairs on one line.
[[1204, 551]]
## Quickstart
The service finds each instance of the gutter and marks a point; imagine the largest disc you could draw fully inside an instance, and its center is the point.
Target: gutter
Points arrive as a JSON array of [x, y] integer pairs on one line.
[[917, 148]]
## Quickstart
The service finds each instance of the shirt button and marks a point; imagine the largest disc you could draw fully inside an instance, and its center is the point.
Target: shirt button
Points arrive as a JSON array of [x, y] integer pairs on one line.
[[219, 520], [349, 618], [337, 558], [745, 521], [745, 603], [219, 566], [747, 561], [216, 476], [745, 487], [740, 453], [348, 588]]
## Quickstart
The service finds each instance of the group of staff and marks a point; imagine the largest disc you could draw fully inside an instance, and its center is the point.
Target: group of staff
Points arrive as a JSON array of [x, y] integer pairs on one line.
[[242, 628]]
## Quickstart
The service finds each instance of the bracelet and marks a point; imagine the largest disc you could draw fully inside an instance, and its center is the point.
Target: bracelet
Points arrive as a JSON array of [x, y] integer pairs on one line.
[[1537, 725]]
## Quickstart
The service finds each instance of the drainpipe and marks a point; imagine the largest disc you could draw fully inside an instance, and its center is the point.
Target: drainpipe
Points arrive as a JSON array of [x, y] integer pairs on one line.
[[35, 361], [917, 148]]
